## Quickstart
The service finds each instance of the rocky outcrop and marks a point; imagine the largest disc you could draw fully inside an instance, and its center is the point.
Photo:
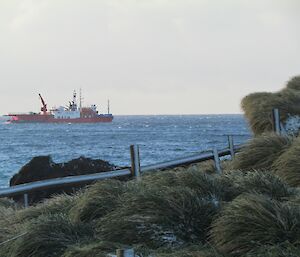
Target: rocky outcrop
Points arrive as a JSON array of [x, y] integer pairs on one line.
[[43, 167]]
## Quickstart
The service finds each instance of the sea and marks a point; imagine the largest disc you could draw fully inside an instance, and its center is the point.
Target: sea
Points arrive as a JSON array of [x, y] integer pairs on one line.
[[160, 138]]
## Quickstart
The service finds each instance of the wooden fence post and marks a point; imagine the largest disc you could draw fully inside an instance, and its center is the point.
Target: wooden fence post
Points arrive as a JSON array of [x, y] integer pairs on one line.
[[276, 120], [231, 146], [135, 161], [26, 200], [217, 161]]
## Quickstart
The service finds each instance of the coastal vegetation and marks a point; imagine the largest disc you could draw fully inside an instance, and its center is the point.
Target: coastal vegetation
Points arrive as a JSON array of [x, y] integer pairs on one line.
[[258, 106], [251, 209]]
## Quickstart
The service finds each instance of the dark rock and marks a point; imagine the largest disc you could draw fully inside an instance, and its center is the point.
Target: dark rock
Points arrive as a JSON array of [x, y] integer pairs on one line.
[[42, 167]]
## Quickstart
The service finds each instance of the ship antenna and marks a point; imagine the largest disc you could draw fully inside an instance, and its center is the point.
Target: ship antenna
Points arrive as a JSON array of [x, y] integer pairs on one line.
[[80, 99]]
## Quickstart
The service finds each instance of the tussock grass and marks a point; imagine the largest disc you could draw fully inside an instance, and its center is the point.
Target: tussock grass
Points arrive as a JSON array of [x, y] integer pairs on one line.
[[160, 216], [193, 178], [100, 199], [189, 251], [207, 166], [5, 229], [7, 203], [294, 83], [257, 182], [59, 204], [260, 152], [285, 249], [287, 166], [252, 221], [258, 106], [95, 249], [49, 236]]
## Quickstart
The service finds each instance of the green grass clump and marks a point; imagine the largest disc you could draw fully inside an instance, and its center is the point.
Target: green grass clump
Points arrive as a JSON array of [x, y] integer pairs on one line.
[[58, 204], [193, 178], [259, 117], [160, 216], [49, 236], [287, 166], [285, 249], [294, 83], [100, 199], [188, 251], [5, 229], [252, 221], [258, 106], [7, 203], [95, 249], [260, 152], [257, 182]]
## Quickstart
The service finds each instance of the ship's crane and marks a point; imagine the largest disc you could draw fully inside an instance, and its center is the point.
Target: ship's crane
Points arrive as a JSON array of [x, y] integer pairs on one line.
[[44, 107]]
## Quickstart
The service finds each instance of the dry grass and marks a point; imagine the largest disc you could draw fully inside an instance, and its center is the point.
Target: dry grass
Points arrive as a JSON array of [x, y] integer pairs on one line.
[[252, 221], [287, 165], [258, 106], [260, 152]]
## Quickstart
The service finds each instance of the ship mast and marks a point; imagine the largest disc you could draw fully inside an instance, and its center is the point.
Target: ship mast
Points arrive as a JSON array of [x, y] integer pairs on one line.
[[80, 99], [74, 102], [108, 106]]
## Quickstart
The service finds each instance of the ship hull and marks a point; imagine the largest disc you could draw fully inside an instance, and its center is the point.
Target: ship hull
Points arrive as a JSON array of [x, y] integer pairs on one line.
[[40, 118]]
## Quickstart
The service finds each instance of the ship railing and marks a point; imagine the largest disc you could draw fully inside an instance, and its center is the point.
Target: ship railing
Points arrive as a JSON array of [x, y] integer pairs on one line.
[[135, 171]]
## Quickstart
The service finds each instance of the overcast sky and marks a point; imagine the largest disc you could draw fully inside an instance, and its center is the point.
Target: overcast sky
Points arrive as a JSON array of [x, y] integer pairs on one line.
[[146, 56]]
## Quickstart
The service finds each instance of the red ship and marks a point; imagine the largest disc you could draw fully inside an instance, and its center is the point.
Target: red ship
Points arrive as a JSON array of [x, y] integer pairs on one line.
[[70, 114]]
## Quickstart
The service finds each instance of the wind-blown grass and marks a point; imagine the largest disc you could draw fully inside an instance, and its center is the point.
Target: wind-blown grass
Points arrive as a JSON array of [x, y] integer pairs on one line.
[[260, 152], [100, 199], [160, 216], [189, 251], [257, 182], [252, 221], [49, 236], [58, 204], [294, 83], [95, 249], [193, 178], [287, 166], [7, 203], [258, 106], [285, 249], [6, 230]]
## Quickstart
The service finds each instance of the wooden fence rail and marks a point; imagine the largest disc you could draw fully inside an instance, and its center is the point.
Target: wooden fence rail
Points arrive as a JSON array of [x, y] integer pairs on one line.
[[135, 171]]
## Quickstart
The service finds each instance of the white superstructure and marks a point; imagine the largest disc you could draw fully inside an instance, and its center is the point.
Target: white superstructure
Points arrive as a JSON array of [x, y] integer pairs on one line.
[[62, 113], [72, 112]]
